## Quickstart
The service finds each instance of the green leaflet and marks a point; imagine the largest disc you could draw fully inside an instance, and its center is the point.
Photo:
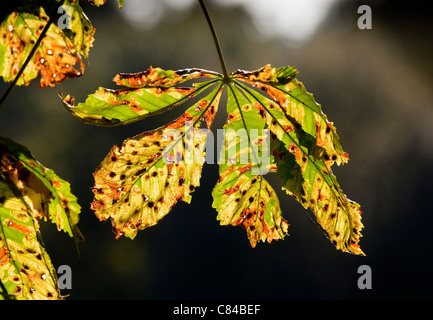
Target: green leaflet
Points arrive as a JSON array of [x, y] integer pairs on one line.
[[312, 183], [50, 194], [28, 192], [138, 184], [26, 271], [242, 196], [278, 129], [296, 107], [59, 52], [147, 93]]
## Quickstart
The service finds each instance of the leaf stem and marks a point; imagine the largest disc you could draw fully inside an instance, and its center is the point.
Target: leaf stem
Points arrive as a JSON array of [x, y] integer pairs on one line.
[[215, 39], [26, 62]]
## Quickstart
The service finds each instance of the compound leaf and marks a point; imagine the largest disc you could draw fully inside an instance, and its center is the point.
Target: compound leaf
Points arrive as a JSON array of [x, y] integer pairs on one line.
[[53, 196], [59, 55], [273, 125], [28, 192]]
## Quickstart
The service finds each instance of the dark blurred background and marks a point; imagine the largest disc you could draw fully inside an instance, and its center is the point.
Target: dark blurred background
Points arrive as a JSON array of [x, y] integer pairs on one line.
[[375, 85]]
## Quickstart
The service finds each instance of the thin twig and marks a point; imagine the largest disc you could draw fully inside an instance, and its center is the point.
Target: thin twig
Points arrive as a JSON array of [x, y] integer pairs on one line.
[[215, 38]]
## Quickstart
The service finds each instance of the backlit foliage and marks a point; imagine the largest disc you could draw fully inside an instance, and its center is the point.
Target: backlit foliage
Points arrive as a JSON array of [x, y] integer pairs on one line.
[[135, 185], [274, 126]]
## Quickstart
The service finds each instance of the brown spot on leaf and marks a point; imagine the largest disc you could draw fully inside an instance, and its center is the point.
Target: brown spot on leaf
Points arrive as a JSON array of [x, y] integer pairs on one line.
[[32, 163], [18, 290], [19, 227], [4, 256], [288, 128], [231, 190], [181, 181], [56, 184]]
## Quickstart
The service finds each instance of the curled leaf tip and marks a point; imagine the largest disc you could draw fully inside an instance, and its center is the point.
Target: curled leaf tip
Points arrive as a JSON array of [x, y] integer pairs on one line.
[[69, 100]]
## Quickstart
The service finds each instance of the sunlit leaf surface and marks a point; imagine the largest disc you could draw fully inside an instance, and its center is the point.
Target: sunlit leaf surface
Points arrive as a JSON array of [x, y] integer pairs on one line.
[[29, 192], [274, 126], [59, 55], [146, 94], [138, 184]]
